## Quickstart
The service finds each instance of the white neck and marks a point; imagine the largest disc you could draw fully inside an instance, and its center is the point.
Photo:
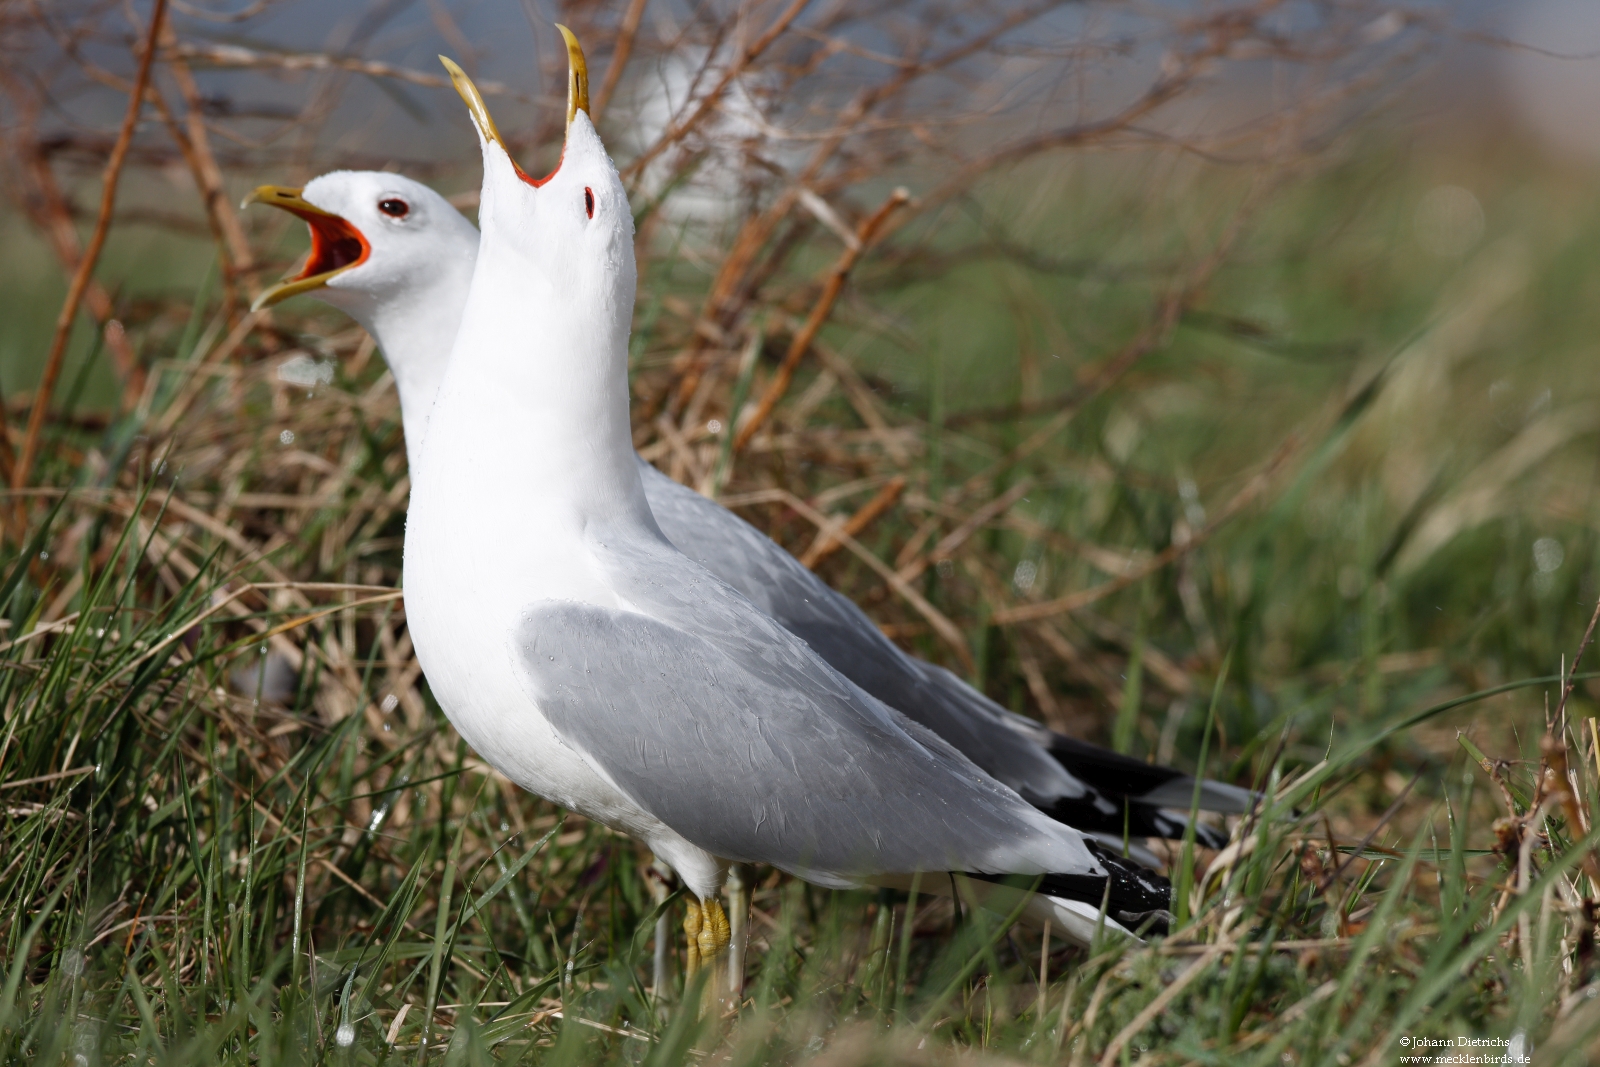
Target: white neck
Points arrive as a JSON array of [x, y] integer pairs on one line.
[[533, 409], [415, 338], [414, 335]]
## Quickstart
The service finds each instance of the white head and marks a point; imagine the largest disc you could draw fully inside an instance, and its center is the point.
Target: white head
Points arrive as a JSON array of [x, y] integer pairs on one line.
[[572, 230], [375, 238], [539, 370], [394, 255]]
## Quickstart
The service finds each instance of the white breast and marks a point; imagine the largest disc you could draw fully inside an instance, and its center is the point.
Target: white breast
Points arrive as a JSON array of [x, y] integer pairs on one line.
[[476, 556]]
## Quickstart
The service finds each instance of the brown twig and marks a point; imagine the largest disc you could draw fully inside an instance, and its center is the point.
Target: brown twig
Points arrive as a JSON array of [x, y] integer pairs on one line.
[[238, 259], [708, 103], [971, 525], [619, 57], [91, 254], [237, 56], [735, 282], [826, 544], [937, 619], [819, 314]]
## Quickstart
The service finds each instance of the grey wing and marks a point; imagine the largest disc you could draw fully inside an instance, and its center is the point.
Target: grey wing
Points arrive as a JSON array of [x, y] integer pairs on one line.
[[841, 633], [1069, 778], [732, 733]]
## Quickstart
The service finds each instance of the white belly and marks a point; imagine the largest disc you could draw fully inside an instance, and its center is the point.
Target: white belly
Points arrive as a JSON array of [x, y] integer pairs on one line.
[[462, 610], [486, 540], [470, 661]]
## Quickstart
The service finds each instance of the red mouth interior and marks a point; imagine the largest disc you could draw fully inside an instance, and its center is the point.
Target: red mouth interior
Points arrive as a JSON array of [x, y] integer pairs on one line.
[[536, 182], [335, 244]]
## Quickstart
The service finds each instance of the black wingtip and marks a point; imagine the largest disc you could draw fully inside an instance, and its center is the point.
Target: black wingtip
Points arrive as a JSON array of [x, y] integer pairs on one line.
[[1138, 898], [1121, 776], [1173, 828], [1124, 818]]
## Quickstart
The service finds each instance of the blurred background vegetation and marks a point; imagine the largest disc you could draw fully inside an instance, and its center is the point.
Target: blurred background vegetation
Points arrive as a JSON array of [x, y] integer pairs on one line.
[[1222, 389]]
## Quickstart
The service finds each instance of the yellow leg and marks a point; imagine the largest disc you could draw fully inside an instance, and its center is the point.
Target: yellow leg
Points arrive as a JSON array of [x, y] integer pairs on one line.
[[693, 925]]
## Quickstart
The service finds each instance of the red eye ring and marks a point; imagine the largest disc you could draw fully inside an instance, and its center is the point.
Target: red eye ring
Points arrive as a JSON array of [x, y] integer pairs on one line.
[[588, 201], [394, 207]]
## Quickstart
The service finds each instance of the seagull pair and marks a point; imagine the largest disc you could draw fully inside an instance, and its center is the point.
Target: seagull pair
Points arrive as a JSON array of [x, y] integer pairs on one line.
[[724, 706], [397, 257]]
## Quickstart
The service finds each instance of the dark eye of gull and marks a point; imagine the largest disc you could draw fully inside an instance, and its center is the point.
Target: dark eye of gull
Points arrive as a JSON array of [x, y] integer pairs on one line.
[[588, 201], [394, 207]]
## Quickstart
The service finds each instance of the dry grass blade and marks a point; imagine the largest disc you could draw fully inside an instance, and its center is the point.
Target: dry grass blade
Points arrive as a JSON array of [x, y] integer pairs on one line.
[[1583, 646], [936, 618], [1160, 1003], [959, 536], [1165, 558]]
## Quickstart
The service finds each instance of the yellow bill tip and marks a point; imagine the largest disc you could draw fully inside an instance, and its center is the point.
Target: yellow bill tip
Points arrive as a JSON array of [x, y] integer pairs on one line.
[[577, 75], [474, 101], [271, 194], [285, 197]]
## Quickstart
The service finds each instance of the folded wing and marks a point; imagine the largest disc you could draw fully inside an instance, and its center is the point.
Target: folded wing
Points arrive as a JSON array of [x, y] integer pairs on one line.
[[737, 735]]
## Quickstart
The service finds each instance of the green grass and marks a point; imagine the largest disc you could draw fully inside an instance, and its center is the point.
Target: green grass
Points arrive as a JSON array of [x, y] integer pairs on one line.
[[199, 867]]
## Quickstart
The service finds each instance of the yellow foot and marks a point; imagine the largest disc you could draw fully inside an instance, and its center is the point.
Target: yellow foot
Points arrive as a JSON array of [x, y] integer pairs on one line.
[[714, 933], [706, 933]]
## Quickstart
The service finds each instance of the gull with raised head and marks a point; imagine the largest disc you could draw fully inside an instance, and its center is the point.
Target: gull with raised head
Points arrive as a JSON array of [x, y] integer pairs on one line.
[[593, 663]]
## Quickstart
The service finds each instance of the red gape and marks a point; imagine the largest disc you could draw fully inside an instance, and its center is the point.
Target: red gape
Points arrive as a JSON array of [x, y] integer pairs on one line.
[[334, 244], [530, 179]]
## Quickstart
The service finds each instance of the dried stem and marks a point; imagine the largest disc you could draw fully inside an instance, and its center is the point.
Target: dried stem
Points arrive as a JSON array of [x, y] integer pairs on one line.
[[826, 544], [619, 56], [91, 254], [1083, 598], [937, 619], [819, 314], [1572, 672], [708, 103], [237, 256]]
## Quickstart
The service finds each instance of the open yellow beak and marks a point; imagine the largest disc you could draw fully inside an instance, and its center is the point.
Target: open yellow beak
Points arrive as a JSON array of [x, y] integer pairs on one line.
[[336, 246], [577, 91]]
